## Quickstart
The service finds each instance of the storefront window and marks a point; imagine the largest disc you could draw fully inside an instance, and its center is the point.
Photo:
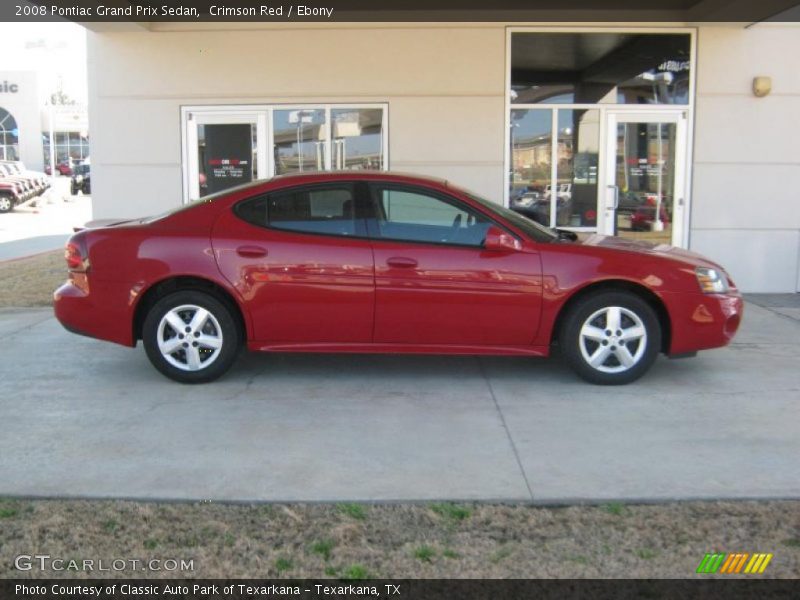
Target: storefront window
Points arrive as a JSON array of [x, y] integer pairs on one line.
[[531, 153], [299, 140], [576, 172], [600, 68], [357, 135], [9, 136], [568, 191]]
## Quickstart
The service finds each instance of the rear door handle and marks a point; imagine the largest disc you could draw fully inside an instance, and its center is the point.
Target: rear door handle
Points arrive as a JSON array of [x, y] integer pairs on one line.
[[251, 251], [401, 262]]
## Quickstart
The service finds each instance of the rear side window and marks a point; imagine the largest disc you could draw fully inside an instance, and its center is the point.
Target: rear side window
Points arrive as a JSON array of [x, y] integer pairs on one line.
[[328, 210]]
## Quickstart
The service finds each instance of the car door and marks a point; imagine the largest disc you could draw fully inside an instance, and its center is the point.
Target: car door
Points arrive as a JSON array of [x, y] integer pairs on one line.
[[301, 260], [434, 281]]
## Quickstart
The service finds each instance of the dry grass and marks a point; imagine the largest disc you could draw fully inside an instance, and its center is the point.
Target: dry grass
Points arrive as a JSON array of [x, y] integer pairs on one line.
[[415, 541], [31, 281]]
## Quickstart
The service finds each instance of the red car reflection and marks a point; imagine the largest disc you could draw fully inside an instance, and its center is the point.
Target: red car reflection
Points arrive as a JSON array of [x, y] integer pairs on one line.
[[379, 262]]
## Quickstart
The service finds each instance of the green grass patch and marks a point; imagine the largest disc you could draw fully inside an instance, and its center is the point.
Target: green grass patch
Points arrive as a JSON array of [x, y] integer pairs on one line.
[[323, 548], [614, 508], [451, 511], [8, 512], [283, 564], [501, 554], [353, 510], [792, 542], [110, 526], [450, 553], [331, 572], [150, 544], [355, 573], [424, 553], [646, 553]]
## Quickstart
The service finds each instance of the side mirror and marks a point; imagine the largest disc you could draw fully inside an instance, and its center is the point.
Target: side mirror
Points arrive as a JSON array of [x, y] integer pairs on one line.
[[498, 240]]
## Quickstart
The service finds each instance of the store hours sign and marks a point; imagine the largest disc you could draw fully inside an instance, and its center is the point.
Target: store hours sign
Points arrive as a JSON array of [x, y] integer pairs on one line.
[[228, 156]]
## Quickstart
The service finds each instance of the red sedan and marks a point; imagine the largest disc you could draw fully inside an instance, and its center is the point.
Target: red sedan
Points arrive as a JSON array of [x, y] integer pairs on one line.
[[380, 262]]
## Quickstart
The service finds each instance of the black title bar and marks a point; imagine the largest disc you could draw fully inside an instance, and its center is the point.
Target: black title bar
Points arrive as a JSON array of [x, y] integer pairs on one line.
[[144, 11]]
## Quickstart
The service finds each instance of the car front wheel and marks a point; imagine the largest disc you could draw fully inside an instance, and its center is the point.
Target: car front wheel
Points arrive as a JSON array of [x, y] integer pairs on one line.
[[191, 337], [6, 203], [611, 338]]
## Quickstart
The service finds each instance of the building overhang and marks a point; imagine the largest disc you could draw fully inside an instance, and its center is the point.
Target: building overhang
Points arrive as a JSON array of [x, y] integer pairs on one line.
[[745, 12]]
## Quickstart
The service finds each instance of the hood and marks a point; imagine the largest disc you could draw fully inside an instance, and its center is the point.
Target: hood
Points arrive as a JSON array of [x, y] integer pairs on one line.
[[648, 248]]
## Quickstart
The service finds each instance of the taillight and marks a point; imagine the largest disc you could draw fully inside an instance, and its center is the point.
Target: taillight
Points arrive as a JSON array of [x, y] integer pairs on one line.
[[75, 258]]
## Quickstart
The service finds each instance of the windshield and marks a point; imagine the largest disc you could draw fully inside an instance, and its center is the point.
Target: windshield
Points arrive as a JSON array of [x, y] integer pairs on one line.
[[537, 232]]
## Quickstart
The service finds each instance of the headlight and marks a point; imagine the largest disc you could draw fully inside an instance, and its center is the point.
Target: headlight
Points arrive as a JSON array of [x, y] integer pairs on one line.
[[711, 281]]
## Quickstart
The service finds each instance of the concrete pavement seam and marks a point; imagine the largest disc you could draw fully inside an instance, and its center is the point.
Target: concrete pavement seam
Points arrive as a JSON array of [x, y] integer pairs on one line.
[[505, 426], [29, 326]]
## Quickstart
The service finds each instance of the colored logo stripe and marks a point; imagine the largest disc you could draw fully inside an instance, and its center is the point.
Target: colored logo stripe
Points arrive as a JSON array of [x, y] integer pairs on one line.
[[710, 563], [734, 563], [758, 563]]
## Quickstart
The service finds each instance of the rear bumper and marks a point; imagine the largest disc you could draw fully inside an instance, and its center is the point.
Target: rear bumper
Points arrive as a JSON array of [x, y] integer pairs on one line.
[[703, 321], [89, 314]]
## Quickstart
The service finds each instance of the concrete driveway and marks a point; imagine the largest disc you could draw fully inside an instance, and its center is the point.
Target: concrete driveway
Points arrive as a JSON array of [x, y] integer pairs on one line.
[[85, 418]]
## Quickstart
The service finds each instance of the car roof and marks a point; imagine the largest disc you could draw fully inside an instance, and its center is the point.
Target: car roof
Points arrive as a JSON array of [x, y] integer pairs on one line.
[[357, 174]]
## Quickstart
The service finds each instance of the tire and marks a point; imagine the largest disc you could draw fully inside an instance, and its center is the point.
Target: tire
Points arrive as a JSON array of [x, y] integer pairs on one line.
[[215, 343], [611, 359], [6, 203], [73, 189]]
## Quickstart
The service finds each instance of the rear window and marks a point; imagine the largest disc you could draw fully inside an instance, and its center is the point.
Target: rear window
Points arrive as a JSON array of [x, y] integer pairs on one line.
[[322, 210]]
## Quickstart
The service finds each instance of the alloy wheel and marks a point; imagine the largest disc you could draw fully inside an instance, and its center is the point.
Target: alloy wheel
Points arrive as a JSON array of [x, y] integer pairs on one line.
[[189, 337], [613, 339]]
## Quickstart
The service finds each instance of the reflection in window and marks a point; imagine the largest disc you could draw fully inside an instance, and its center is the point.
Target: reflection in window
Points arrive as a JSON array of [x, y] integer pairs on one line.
[[572, 195], [645, 176], [576, 172], [417, 217], [600, 68], [299, 140], [357, 135], [531, 161], [9, 136]]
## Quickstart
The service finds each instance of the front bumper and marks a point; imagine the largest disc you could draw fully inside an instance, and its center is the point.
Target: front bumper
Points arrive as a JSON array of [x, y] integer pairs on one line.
[[703, 321]]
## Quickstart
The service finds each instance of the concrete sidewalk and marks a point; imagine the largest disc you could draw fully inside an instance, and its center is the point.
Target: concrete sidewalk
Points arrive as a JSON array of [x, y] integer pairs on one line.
[[87, 418]]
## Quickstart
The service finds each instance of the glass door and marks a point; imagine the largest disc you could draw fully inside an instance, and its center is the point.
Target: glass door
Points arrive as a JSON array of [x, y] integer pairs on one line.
[[223, 151], [644, 192]]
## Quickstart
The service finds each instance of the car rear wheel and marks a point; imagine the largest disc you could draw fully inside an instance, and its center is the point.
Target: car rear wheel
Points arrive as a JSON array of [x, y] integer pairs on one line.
[[191, 337], [611, 338]]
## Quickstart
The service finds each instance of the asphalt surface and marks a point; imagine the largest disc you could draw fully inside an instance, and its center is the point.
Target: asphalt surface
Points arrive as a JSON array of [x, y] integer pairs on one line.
[[87, 418]]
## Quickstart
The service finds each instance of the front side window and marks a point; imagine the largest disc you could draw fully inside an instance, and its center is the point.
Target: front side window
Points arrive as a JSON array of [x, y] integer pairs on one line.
[[329, 210], [416, 216]]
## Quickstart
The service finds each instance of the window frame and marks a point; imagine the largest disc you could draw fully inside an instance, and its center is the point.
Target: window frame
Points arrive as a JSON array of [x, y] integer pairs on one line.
[[374, 187], [263, 116], [359, 220]]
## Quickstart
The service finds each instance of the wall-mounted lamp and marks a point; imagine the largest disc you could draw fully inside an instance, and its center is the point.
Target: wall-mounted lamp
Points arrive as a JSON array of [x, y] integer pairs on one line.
[[762, 86]]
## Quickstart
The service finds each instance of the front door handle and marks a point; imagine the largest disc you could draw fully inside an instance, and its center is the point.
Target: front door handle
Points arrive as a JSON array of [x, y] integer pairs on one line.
[[251, 251], [401, 262]]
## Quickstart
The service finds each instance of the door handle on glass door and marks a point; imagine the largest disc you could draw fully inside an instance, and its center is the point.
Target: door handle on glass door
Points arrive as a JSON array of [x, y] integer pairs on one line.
[[251, 251], [616, 197], [401, 262]]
